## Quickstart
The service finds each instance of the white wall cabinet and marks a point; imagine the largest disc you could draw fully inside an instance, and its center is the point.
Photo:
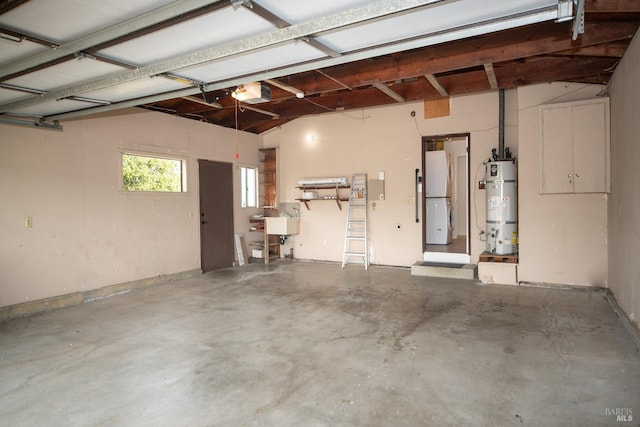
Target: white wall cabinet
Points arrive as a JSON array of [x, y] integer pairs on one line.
[[574, 147]]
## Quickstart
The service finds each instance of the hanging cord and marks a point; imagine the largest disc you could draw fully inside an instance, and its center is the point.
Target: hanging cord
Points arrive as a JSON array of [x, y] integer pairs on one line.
[[236, 113]]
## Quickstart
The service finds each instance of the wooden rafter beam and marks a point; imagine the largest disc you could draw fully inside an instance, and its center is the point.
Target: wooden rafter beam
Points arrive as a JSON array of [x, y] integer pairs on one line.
[[334, 79], [511, 75], [538, 70], [612, 6], [263, 112], [436, 84], [614, 50], [200, 101], [491, 76], [500, 47], [542, 39], [299, 93], [388, 91]]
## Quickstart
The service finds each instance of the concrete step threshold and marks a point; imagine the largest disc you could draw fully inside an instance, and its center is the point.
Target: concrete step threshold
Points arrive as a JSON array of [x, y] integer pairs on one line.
[[441, 269]]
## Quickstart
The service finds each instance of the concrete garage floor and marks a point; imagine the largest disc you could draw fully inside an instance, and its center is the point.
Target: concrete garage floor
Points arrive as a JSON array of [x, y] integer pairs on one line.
[[310, 344]]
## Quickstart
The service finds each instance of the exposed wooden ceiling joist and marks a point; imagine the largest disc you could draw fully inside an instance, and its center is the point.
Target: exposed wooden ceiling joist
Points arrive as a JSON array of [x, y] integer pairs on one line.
[[202, 102], [297, 92], [258, 110], [491, 76], [334, 79], [436, 84], [509, 45], [388, 91], [612, 6]]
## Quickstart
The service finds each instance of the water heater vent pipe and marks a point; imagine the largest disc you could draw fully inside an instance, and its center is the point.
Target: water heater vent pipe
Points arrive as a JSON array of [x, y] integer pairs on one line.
[[501, 124]]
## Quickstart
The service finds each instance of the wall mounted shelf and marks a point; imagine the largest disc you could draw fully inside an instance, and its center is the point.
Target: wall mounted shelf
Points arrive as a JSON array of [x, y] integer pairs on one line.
[[335, 194]]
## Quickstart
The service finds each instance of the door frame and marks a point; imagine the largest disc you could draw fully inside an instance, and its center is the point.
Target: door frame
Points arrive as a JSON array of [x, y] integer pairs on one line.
[[226, 248], [446, 256]]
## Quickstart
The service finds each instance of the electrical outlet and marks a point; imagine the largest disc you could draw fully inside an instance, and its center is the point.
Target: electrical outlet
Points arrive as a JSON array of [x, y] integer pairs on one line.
[[28, 222]]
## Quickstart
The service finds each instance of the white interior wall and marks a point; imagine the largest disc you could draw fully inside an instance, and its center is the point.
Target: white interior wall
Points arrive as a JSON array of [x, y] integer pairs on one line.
[[562, 237], [387, 139], [86, 232], [624, 201]]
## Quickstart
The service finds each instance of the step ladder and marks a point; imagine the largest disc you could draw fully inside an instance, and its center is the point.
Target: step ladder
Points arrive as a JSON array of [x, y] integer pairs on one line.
[[356, 242]]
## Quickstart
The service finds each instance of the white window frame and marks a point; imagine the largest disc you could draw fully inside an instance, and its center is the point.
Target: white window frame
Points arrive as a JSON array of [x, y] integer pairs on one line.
[[249, 186], [183, 170]]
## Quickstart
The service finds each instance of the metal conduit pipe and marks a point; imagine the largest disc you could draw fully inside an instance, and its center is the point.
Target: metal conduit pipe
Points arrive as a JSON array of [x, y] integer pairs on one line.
[[501, 124]]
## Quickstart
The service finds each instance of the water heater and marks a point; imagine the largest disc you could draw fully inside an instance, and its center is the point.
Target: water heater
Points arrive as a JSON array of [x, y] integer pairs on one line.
[[502, 207]]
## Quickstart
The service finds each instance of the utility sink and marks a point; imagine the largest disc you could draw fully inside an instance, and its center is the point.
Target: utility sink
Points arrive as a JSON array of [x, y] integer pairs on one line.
[[282, 225]]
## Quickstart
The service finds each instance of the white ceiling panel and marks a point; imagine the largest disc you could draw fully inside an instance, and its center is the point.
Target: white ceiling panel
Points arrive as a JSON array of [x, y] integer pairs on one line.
[[14, 50], [296, 11], [54, 107], [7, 95], [253, 62], [135, 89], [208, 30], [66, 20], [439, 17], [65, 73]]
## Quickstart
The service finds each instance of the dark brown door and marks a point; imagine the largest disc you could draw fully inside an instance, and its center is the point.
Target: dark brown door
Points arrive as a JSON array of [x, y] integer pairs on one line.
[[216, 215]]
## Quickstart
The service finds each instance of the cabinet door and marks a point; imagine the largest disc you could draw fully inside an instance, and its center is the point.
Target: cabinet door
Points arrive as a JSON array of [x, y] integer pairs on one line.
[[590, 148], [556, 150]]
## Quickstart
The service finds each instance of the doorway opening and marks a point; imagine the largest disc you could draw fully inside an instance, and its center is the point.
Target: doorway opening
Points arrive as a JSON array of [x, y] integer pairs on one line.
[[446, 198]]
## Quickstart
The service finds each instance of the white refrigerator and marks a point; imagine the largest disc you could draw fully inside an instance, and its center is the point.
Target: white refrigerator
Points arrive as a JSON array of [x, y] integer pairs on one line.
[[438, 187]]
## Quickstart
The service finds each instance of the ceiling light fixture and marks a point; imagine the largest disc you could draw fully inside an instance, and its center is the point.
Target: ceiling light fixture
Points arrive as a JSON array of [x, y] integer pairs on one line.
[[252, 93]]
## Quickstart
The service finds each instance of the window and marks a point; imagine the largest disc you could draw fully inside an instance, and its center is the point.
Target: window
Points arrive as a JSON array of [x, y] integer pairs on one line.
[[146, 173], [249, 187]]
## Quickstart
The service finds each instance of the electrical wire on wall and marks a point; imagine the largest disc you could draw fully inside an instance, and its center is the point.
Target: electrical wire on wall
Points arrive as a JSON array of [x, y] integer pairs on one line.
[[344, 113], [415, 121], [559, 97], [481, 232]]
